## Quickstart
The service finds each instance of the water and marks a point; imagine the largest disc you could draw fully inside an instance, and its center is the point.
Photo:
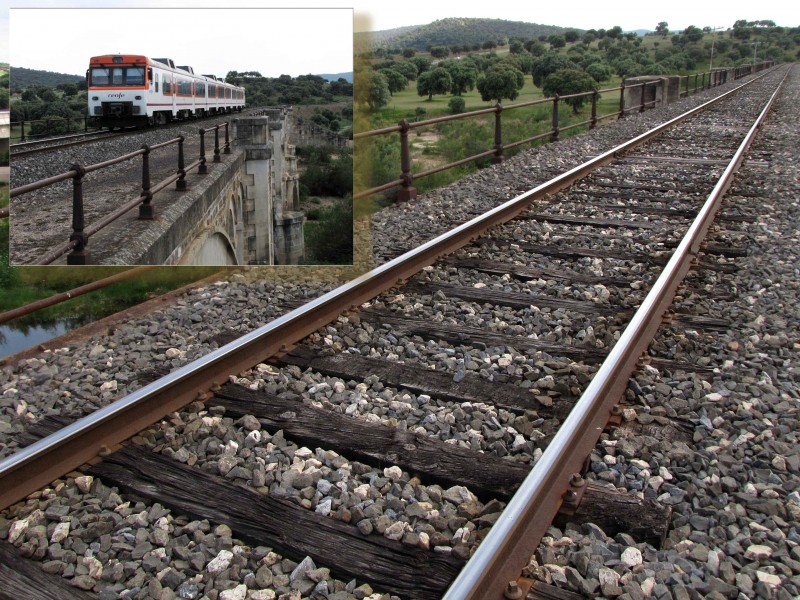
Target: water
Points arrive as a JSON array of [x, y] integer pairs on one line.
[[15, 338]]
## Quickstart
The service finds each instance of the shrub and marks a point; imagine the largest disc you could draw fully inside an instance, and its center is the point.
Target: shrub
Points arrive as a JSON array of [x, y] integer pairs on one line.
[[457, 104], [331, 239], [569, 81]]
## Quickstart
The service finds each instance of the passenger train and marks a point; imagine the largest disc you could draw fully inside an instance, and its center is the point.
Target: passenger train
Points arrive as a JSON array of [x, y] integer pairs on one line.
[[126, 89]]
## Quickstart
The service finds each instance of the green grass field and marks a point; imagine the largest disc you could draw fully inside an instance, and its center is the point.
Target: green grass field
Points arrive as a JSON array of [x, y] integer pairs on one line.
[[377, 161], [439, 144], [24, 285]]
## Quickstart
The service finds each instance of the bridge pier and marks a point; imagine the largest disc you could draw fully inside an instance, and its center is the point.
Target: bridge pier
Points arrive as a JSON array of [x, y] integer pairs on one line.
[[273, 221], [252, 134]]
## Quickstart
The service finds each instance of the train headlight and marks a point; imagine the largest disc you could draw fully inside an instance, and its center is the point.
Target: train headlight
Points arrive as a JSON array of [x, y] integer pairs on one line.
[[95, 98], [138, 97]]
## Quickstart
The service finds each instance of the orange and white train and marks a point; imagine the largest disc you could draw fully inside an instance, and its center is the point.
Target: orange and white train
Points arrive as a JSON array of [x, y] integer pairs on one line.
[[127, 89]]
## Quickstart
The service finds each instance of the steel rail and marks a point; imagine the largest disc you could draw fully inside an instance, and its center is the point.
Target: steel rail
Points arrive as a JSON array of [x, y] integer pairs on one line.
[[514, 537], [86, 288], [35, 466], [74, 136], [69, 139], [41, 148]]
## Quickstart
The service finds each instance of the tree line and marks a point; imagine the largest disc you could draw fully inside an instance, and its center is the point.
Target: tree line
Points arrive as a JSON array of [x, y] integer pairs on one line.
[[565, 63], [4, 98], [62, 108], [304, 89]]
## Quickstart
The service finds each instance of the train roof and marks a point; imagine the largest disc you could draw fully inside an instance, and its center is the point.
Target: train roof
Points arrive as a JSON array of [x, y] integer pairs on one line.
[[139, 59]]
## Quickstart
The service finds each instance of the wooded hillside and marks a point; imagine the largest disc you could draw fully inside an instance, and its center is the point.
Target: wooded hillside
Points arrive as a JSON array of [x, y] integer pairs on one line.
[[449, 32], [22, 78]]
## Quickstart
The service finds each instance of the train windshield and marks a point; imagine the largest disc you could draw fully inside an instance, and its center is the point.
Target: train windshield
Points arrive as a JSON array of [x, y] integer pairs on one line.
[[117, 76]]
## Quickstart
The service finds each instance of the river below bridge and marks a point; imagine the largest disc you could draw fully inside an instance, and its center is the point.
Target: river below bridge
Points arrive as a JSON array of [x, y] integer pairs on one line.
[[15, 338]]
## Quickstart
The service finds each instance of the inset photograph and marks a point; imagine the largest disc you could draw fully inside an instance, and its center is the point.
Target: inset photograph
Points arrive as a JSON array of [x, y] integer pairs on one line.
[[221, 137]]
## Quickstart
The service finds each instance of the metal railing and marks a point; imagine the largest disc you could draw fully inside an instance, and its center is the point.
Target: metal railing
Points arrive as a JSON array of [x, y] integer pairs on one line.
[[81, 232], [407, 177]]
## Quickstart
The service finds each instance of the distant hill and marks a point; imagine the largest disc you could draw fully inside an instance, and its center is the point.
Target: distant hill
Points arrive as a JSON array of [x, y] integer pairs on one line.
[[336, 76], [22, 78], [448, 32]]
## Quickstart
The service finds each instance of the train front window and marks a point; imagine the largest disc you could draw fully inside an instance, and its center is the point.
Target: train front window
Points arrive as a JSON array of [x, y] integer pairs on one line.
[[118, 76]]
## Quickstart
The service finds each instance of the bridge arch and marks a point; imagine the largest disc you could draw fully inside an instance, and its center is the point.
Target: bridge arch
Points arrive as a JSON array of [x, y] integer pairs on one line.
[[211, 247]]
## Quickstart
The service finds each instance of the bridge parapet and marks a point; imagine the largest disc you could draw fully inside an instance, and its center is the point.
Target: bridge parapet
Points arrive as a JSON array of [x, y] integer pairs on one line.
[[651, 91]]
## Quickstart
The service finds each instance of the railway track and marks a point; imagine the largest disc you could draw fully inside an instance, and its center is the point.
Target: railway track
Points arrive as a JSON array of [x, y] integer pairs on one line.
[[52, 144], [397, 426]]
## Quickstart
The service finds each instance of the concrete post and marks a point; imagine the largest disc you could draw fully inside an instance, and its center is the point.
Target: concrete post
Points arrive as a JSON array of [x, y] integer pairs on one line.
[[648, 89]]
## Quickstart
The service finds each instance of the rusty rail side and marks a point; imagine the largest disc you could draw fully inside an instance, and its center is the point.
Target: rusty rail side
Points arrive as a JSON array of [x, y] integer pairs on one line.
[[512, 540]]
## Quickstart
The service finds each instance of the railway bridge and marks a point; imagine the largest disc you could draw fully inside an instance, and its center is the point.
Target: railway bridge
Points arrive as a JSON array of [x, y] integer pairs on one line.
[[244, 210], [237, 204]]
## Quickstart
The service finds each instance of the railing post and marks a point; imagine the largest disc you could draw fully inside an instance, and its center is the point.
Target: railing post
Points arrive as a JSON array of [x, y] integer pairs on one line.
[[22, 131], [217, 157], [227, 149], [593, 122], [695, 83], [498, 135], [203, 168], [146, 210], [180, 185], [554, 136], [703, 84], [641, 107], [621, 101], [407, 191], [79, 254]]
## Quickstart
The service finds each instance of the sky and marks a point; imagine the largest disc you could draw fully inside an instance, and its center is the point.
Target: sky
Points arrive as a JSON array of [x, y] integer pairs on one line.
[[214, 41], [583, 14], [63, 40]]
